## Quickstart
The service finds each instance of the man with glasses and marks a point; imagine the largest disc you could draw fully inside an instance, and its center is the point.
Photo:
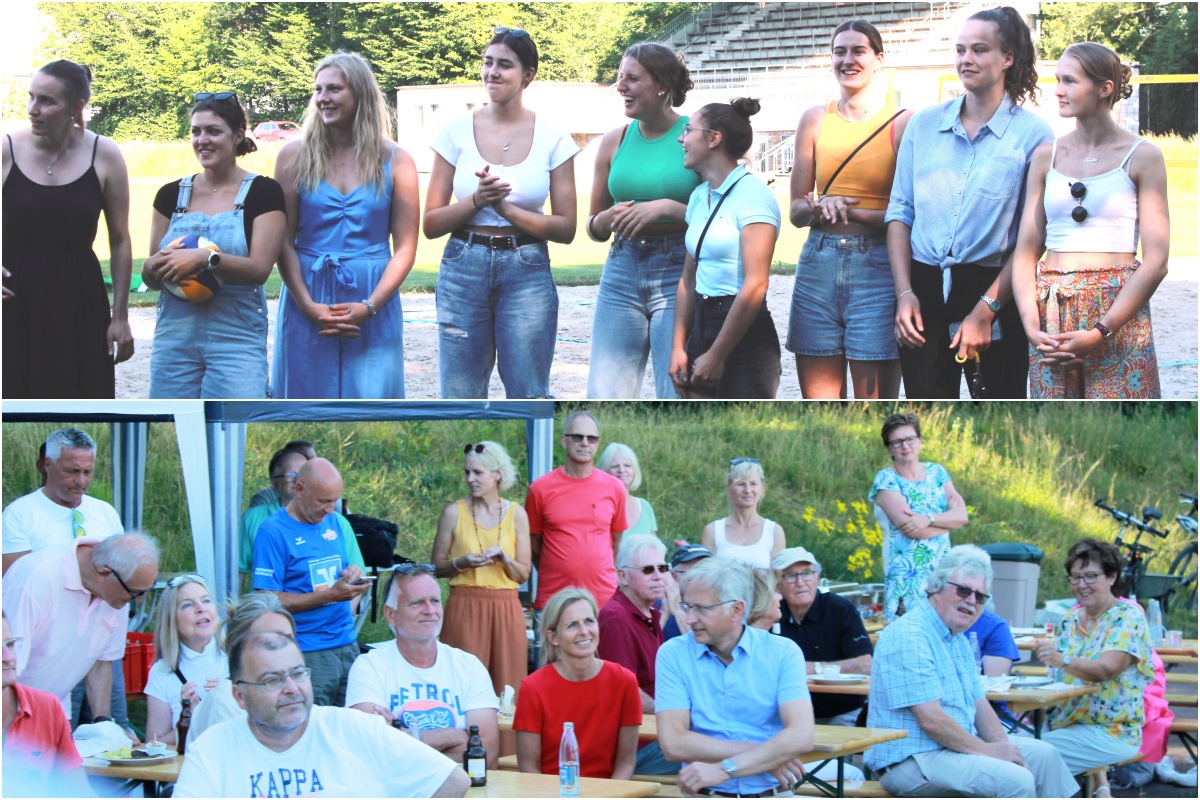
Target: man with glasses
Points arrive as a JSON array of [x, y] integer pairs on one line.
[[287, 748], [421, 683], [731, 701], [576, 518], [631, 629], [925, 681], [302, 554], [828, 629], [69, 604]]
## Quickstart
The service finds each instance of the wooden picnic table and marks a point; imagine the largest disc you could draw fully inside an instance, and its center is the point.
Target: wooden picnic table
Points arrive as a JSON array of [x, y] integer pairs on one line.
[[647, 733], [1187, 653], [504, 783], [152, 776]]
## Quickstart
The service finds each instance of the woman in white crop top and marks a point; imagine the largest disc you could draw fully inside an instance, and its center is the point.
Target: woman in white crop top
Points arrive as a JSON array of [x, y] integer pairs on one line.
[[1085, 305], [492, 173], [744, 535]]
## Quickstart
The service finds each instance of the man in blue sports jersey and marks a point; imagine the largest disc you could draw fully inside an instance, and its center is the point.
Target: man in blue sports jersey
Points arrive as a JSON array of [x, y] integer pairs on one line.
[[301, 554]]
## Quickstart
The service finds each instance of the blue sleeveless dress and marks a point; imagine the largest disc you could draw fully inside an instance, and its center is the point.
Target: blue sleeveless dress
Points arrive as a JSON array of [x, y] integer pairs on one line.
[[343, 241]]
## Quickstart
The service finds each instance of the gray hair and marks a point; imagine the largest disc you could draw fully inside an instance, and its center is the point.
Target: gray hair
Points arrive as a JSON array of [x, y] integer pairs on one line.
[[393, 585], [576, 415], [553, 612], [166, 626], [125, 552], [724, 577], [67, 439], [240, 616], [259, 641], [966, 560], [625, 451], [496, 459], [632, 545]]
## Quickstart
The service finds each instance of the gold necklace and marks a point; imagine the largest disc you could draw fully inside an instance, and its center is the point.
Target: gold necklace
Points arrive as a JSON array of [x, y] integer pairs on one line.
[[478, 539]]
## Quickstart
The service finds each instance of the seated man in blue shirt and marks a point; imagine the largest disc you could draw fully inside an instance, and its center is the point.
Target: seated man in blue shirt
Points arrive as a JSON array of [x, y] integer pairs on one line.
[[730, 700], [302, 555], [924, 681]]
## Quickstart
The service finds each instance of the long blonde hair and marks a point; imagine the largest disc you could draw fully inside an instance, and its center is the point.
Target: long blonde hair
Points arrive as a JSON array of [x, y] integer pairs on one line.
[[372, 127], [166, 628]]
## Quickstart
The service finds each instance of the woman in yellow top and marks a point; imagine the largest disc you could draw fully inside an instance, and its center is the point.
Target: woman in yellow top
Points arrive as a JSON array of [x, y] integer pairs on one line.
[[482, 546], [842, 301]]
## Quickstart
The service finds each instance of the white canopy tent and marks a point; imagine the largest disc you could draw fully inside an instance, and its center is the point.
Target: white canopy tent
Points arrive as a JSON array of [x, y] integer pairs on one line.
[[211, 437]]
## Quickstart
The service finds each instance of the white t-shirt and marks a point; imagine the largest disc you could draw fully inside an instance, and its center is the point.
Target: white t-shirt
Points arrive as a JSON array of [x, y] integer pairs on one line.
[[164, 684], [35, 521], [342, 753], [530, 180], [438, 697]]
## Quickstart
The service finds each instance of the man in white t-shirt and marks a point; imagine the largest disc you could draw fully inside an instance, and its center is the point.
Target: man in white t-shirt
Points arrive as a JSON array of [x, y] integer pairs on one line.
[[61, 510], [285, 747], [422, 682]]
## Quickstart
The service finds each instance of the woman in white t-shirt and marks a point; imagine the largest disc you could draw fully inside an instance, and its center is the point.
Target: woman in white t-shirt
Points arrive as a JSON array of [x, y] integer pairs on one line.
[[744, 535], [492, 172], [190, 662]]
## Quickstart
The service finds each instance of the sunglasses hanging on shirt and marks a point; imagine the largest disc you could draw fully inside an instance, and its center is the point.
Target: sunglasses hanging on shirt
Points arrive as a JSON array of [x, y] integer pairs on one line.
[[1079, 191]]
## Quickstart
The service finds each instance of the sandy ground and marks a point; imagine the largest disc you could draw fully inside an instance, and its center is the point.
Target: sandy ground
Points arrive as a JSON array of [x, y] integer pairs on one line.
[[1173, 309]]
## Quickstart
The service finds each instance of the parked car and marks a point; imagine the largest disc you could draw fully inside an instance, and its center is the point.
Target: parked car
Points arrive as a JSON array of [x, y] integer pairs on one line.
[[276, 131]]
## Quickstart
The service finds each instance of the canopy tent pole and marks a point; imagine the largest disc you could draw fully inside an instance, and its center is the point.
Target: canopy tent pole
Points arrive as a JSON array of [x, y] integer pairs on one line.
[[129, 443]]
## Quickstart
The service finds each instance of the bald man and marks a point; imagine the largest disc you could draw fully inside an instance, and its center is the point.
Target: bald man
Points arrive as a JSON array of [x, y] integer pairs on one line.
[[302, 555]]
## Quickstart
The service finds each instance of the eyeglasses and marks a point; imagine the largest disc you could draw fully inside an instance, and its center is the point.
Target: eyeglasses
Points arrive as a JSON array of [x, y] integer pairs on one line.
[[702, 610], [132, 594], [807, 575], [516, 33], [580, 438], [650, 569], [964, 592], [478, 448], [1079, 191], [214, 96], [1087, 578], [289, 476], [77, 523], [907, 440], [276, 682], [14, 642], [179, 580], [409, 569], [689, 128], [734, 462]]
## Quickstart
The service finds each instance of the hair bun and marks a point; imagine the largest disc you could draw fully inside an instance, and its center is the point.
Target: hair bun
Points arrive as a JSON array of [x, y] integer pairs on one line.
[[746, 106], [1125, 91]]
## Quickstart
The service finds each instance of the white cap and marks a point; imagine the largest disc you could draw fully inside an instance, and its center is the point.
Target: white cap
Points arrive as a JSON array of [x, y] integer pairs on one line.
[[792, 555]]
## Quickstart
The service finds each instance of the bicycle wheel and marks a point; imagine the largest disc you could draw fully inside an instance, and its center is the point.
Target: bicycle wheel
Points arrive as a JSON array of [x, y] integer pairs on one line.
[[1183, 596]]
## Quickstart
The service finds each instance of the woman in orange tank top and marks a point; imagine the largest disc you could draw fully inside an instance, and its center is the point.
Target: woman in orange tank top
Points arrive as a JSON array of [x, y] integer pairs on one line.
[[842, 301]]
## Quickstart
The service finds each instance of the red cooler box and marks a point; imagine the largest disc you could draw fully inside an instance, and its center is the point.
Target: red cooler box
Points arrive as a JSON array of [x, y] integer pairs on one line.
[[139, 657]]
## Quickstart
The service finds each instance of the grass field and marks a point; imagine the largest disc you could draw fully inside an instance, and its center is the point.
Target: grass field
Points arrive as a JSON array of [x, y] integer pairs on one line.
[[1029, 471], [152, 164]]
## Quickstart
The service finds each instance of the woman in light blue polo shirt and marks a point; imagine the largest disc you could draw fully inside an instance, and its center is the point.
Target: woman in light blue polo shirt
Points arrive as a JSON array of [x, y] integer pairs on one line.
[[725, 342]]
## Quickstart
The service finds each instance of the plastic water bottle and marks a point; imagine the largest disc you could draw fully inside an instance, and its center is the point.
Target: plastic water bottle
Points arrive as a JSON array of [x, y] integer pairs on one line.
[[568, 762], [1158, 632], [978, 653]]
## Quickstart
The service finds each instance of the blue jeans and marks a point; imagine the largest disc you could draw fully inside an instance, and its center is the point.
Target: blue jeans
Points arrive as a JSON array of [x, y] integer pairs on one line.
[[635, 317], [651, 761], [495, 305]]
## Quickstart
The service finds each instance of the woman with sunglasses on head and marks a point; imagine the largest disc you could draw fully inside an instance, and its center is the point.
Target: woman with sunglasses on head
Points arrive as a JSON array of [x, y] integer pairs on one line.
[[725, 343], [917, 506], [482, 546], [1085, 304], [215, 347], [621, 462], [492, 173], [843, 298], [953, 215], [352, 238], [745, 535], [639, 197], [190, 659], [60, 338]]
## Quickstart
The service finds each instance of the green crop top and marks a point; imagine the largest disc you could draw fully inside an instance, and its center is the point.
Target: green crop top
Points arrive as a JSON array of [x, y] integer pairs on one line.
[[644, 169]]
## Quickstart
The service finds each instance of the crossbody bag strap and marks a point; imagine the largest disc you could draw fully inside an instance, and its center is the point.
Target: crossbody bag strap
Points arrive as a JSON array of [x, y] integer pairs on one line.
[[878, 131], [713, 215]]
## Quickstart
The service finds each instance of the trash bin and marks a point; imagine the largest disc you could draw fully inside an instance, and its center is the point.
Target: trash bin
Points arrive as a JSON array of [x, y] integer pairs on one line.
[[1017, 567]]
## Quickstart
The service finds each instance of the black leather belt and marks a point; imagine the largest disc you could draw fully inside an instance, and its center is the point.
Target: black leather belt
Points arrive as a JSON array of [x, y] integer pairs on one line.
[[778, 790], [510, 241], [884, 770]]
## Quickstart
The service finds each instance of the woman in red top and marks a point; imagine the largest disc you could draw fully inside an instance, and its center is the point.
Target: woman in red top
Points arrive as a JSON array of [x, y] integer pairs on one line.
[[600, 697]]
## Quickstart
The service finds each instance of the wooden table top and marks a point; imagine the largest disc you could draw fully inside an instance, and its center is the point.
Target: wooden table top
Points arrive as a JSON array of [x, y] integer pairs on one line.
[[1020, 700], [1187, 653], [163, 771], [504, 783], [835, 741], [647, 733]]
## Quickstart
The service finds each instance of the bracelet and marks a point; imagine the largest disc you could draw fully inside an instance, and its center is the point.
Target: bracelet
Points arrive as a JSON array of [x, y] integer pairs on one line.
[[591, 233], [370, 307], [454, 563], [901, 295], [477, 206]]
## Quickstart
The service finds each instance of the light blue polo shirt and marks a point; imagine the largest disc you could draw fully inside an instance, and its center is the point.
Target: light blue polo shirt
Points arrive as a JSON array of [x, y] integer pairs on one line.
[[739, 702], [719, 272]]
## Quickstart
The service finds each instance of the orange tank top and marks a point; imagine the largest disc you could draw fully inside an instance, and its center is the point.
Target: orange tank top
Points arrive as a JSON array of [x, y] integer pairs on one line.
[[869, 174], [469, 538]]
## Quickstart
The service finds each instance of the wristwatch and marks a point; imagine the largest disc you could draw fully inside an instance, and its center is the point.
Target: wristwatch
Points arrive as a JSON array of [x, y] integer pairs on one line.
[[730, 768], [96, 720], [1104, 331], [1066, 660], [994, 305], [214, 260]]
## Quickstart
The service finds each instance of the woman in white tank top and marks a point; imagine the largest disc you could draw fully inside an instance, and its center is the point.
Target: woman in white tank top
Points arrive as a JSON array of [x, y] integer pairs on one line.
[[1085, 306], [744, 535]]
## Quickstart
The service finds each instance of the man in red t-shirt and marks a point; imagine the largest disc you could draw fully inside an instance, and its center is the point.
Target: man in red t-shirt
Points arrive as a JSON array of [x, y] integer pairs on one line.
[[576, 518]]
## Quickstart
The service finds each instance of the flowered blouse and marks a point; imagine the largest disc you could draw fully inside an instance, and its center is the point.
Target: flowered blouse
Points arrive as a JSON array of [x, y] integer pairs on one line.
[[1118, 707], [907, 562]]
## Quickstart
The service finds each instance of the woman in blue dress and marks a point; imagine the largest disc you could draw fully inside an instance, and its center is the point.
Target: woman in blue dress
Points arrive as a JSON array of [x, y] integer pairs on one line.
[[348, 188]]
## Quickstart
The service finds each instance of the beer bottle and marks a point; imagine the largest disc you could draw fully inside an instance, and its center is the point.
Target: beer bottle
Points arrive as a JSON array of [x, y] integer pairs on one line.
[[475, 758]]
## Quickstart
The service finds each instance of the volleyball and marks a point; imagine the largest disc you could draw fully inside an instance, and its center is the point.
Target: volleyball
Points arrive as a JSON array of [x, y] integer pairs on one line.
[[205, 284]]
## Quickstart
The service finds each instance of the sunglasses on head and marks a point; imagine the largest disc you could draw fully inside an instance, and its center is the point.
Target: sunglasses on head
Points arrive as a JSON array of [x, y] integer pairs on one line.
[[1079, 191], [179, 580], [477, 448], [516, 33], [214, 96], [738, 461]]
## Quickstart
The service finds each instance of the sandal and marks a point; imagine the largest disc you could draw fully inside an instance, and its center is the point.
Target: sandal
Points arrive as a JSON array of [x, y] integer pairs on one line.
[[1102, 791]]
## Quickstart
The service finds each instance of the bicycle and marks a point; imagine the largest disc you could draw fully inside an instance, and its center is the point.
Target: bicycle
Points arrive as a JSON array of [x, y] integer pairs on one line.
[[1183, 594], [1138, 582]]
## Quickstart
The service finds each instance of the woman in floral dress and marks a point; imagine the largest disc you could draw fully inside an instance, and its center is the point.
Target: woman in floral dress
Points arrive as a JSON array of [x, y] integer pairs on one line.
[[917, 506]]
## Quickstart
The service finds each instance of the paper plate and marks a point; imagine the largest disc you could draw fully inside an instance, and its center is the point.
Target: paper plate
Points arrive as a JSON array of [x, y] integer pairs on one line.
[[830, 680], [125, 758], [1030, 682]]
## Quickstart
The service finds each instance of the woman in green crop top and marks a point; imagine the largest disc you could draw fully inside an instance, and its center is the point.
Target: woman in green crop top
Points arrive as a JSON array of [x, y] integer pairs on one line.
[[639, 196]]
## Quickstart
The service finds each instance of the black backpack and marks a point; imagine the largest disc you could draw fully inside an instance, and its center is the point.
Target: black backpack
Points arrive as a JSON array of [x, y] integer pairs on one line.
[[376, 539]]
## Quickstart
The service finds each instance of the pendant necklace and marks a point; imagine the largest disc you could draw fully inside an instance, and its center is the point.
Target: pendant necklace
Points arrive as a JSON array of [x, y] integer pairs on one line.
[[1094, 159], [66, 145], [475, 523]]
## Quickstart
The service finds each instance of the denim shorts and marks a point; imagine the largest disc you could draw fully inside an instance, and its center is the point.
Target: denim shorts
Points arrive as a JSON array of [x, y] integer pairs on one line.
[[752, 369], [843, 301]]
